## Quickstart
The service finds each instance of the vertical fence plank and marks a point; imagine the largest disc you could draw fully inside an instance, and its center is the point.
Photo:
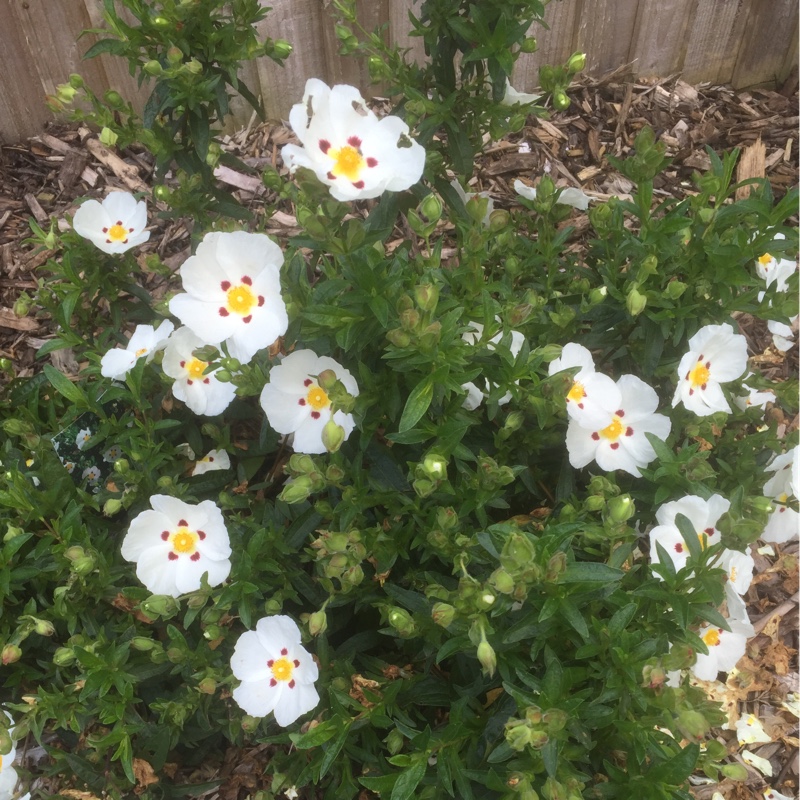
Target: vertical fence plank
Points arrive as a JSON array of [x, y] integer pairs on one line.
[[605, 31], [771, 30], [658, 45], [400, 28], [714, 41], [555, 45]]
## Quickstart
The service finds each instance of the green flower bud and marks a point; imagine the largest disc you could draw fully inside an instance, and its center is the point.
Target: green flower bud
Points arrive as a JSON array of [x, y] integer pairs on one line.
[[597, 295], [446, 518], [538, 739], [160, 605], [518, 734], [534, 715], [6, 743], [431, 335], [622, 508], [122, 466], [63, 657], [317, 623], [556, 566], [142, 643], [595, 502], [427, 296], [332, 436], [44, 627], [517, 552], [165, 482], [112, 506], [600, 216], [174, 55], [577, 62], [735, 771], [484, 600], [12, 532], [487, 657], [153, 68], [529, 45], [443, 614], [653, 676], [498, 221], [108, 137], [394, 742], [409, 319], [193, 66], [297, 490], [76, 81], [207, 686], [434, 466], [113, 99], [431, 207], [635, 302], [561, 101], [502, 581], [353, 576], [74, 553], [250, 724], [11, 653], [401, 621], [398, 337], [554, 720], [281, 49], [423, 487], [692, 724]]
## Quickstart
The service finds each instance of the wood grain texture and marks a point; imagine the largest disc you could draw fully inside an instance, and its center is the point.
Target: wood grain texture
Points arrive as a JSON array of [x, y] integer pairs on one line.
[[770, 32], [605, 31], [400, 28], [713, 40], [658, 42]]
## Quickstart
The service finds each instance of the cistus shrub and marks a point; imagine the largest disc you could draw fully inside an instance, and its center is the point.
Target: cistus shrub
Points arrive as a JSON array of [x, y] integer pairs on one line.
[[419, 525]]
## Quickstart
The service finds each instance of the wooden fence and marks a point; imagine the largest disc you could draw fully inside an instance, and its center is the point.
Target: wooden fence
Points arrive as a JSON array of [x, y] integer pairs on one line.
[[743, 42]]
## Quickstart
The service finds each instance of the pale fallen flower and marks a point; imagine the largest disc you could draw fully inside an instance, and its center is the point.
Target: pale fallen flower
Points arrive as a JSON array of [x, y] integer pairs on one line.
[[213, 460], [761, 764], [749, 730], [513, 98], [568, 197]]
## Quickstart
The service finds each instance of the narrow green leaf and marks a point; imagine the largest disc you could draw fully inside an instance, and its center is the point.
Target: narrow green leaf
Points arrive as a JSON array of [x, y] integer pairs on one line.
[[409, 780], [677, 769], [332, 750], [585, 571], [64, 386], [417, 404]]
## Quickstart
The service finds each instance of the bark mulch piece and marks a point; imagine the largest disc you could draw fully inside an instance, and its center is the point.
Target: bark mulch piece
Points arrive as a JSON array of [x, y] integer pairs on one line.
[[43, 178]]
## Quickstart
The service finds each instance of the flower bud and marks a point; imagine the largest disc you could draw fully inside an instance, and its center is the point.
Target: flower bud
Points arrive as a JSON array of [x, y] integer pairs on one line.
[[735, 771], [297, 490], [317, 623], [250, 724], [153, 68], [12, 532], [160, 605], [165, 482], [431, 207], [443, 614], [561, 101], [692, 724], [485, 600], [554, 720], [621, 509], [394, 742], [332, 436], [556, 566], [142, 643], [487, 657], [402, 622], [76, 81], [207, 686], [281, 49], [10, 654], [577, 62], [74, 553], [529, 45], [174, 55], [44, 627], [398, 337], [653, 676], [427, 296], [434, 466], [424, 487], [108, 137], [517, 552], [649, 265], [518, 734], [112, 506], [502, 581], [409, 319], [597, 295], [635, 302], [63, 657]]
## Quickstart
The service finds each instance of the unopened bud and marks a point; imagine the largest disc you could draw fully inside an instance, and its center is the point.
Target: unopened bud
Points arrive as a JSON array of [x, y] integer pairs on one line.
[[394, 742], [446, 518], [518, 734], [107, 137], [577, 62], [332, 436], [518, 552], [622, 508], [556, 566], [297, 490], [487, 657], [112, 506], [560, 100], [153, 68], [76, 81], [63, 657], [554, 720], [427, 296], [502, 581], [317, 623], [398, 337], [207, 686], [443, 614], [281, 48], [160, 605], [692, 724], [142, 643], [635, 302], [735, 771], [402, 622], [250, 723], [435, 466], [653, 677], [10, 654], [44, 627], [431, 207]]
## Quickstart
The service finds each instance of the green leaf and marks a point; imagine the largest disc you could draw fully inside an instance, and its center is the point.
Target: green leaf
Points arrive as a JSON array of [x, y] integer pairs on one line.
[[315, 737], [587, 572], [409, 780], [690, 536], [332, 750], [417, 404], [572, 614], [677, 769], [64, 386], [113, 46]]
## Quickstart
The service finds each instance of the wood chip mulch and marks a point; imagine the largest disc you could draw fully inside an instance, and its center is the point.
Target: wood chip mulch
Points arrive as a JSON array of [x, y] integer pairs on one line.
[[44, 177]]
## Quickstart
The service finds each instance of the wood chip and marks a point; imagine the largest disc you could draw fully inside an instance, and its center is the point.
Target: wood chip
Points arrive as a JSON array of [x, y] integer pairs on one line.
[[8, 319], [752, 164], [128, 174], [38, 212]]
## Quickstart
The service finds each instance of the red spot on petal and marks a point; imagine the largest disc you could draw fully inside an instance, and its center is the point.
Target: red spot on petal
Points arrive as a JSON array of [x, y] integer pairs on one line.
[[260, 300], [284, 651], [189, 382], [781, 510], [225, 285], [130, 230], [183, 363], [172, 556], [247, 319], [105, 230], [246, 280], [708, 365], [124, 241], [614, 445], [291, 684], [307, 382], [629, 431], [330, 176], [580, 405], [182, 523], [206, 380], [687, 375], [108, 241], [620, 412], [301, 402], [691, 392], [273, 682], [195, 556], [270, 663], [315, 414], [296, 663], [700, 357], [372, 162], [703, 386], [678, 548], [202, 535], [358, 184], [324, 145], [709, 531], [354, 141], [596, 436], [165, 535], [223, 312]]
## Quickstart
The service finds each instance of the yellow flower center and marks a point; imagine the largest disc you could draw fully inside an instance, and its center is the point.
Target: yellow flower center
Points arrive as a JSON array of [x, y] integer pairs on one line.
[[699, 375], [117, 233], [349, 162], [282, 669], [711, 637], [732, 575], [317, 398], [195, 368], [614, 430], [241, 299], [765, 259], [140, 352], [576, 393], [184, 541]]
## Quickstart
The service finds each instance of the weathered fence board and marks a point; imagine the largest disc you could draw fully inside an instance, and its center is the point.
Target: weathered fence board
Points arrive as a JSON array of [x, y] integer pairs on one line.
[[739, 41]]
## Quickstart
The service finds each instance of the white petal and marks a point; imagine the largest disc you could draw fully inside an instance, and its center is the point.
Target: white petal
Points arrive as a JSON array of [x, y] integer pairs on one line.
[[256, 698], [117, 363], [474, 396], [277, 631], [295, 702], [156, 572], [528, 192], [580, 445], [249, 659]]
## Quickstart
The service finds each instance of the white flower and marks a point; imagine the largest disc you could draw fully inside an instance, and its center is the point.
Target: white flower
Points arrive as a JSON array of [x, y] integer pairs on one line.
[[783, 522], [621, 442], [351, 151], [703, 515], [277, 674], [775, 270], [467, 196], [716, 355], [761, 764], [115, 225], [749, 730], [233, 292], [175, 543], [91, 475], [512, 97], [113, 453], [739, 569], [291, 793], [725, 648], [587, 385], [755, 398], [771, 794], [295, 403], [203, 394], [144, 343], [213, 460], [474, 395], [783, 335], [568, 197], [82, 438], [8, 775]]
